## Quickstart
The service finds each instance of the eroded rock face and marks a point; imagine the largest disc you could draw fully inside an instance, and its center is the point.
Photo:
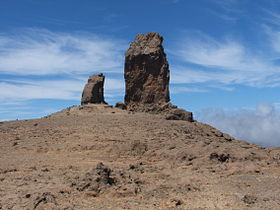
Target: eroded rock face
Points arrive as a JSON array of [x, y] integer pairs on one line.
[[94, 90], [146, 72]]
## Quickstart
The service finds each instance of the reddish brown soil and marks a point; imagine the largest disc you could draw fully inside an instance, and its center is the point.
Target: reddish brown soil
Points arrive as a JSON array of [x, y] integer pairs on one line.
[[99, 157]]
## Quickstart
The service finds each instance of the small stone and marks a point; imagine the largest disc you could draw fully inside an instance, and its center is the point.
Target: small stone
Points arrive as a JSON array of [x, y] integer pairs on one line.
[[45, 170], [249, 199], [120, 105], [227, 137], [28, 195], [91, 194], [177, 202], [219, 157]]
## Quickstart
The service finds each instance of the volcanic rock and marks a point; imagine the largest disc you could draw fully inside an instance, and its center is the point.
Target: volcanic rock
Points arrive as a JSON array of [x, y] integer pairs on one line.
[[179, 114], [146, 76], [146, 71], [120, 105], [94, 92]]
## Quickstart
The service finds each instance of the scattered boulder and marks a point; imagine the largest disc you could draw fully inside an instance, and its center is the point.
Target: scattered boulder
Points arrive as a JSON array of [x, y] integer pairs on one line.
[[120, 105], [179, 114], [94, 92], [102, 179], [219, 157], [46, 200], [95, 180], [249, 199], [146, 71], [138, 148], [177, 202]]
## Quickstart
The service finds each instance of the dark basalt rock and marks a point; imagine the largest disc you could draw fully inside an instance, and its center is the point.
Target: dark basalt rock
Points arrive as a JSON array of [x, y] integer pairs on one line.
[[94, 90], [146, 71], [179, 114], [120, 105], [146, 74]]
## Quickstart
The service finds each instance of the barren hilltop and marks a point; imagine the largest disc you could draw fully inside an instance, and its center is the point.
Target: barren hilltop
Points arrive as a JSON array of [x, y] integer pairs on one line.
[[144, 153]]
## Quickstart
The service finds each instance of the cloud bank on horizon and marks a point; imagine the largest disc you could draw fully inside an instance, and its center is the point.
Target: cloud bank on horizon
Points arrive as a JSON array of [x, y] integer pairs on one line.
[[42, 68], [260, 126]]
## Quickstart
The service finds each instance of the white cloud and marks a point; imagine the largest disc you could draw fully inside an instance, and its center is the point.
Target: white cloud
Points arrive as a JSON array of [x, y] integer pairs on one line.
[[71, 89], [114, 84], [114, 88], [228, 62], [70, 56], [277, 106], [210, 78], [260, 126], [271, 17], [226, 55], [186, 75], [176, 89], [40, 90], [229, 10], [214, 54], [17, 96], [274, 39], [42, 52]]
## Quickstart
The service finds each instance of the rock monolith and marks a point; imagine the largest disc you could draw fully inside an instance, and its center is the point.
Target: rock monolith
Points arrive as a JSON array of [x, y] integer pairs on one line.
[[146, 72], [94, 90]]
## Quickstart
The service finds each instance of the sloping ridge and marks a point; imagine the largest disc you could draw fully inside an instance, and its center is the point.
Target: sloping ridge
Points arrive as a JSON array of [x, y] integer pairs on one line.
[[100, 157]]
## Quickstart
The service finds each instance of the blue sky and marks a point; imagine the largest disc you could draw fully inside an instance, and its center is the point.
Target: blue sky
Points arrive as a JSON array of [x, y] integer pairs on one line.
[[224, 57]]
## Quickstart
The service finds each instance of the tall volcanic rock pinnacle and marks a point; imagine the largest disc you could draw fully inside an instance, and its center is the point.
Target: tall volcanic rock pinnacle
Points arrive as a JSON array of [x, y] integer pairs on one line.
[[146, 71], [94, 92], [146, 74]]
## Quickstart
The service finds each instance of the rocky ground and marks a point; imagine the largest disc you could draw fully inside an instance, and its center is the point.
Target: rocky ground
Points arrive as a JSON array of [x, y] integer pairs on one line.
[[99, 157]]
